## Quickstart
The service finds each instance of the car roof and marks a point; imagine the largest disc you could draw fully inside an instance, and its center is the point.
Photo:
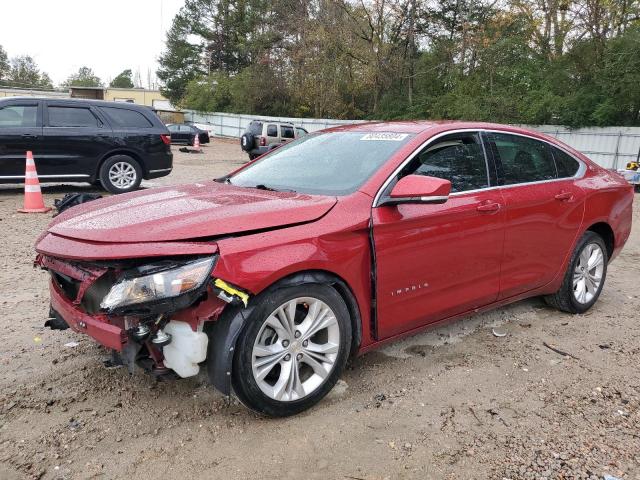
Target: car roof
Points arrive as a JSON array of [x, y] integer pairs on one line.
[[422, 126], [84, 101]]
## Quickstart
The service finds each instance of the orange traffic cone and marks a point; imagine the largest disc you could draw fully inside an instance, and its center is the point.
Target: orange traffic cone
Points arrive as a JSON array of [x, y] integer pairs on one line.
[[196, 143], [33, 201]]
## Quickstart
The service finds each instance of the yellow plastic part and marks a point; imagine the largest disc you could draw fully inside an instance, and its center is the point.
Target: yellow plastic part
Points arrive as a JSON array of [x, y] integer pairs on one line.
[[222, 285]]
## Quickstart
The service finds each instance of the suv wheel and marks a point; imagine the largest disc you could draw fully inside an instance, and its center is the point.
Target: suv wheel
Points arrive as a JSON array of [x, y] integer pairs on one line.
[[120, 174], [292, 350]]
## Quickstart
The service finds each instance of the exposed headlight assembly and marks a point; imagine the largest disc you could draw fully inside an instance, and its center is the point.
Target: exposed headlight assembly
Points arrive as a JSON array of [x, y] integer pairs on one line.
[[157, 282]]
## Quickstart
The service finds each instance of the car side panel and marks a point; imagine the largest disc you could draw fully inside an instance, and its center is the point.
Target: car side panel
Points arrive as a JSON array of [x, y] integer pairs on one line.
[[74, 150], [338, 243], [434, 261], [610, 200], [14, 143], [540, 231]]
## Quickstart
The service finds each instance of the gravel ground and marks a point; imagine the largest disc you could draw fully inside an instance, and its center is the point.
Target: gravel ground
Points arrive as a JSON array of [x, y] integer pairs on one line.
[[452, 403]]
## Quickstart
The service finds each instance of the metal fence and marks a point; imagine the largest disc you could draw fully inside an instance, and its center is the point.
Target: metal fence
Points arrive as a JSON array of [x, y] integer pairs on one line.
[[610, 147]]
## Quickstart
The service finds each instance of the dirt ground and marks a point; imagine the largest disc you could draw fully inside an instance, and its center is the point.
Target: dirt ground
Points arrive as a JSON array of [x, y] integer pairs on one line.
[[452, 403]]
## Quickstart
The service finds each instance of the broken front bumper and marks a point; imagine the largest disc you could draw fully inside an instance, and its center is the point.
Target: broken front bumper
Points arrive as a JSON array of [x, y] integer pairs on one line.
[[101, 328]]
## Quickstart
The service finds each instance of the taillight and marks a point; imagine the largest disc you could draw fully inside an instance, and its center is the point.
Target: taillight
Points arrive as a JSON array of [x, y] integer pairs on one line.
[[263, 142], [166, 139]]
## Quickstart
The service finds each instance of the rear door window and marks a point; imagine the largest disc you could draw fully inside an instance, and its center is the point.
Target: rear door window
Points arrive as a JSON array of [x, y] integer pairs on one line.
[[124, 118], [272, 130], [522, 159], [72, 117], [567, 165], [15, 116], [287, 132]]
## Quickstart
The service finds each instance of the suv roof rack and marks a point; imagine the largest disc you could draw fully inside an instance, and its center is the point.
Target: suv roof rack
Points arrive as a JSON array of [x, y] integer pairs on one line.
[[271, 121]]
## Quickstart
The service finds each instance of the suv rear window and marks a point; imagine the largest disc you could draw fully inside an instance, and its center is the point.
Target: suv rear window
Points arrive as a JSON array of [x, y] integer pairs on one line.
[[71, 117], [255, 128], [287, 132], [272, 130], [122, 117]]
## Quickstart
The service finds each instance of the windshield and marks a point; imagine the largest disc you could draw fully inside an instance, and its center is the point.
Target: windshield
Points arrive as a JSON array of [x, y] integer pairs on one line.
[[334, 163]]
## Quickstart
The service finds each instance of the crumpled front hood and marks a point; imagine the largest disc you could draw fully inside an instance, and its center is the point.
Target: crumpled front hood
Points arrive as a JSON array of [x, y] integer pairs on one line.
[[186, 212]]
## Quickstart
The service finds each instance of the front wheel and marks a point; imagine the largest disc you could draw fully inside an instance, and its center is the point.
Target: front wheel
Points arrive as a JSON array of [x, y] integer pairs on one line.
[[585, 276], [292, 350], [120, 174]]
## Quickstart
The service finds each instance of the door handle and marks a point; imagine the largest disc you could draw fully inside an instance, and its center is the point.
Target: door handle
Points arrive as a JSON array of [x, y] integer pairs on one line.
[[488, 207], [564, 196]]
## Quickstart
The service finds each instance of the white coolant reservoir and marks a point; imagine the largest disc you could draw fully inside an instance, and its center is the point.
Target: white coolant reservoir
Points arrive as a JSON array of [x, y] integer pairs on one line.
[[186, 350]]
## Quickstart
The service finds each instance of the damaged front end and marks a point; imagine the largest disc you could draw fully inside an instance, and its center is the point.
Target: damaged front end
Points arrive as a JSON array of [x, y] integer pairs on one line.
[[152, 313]]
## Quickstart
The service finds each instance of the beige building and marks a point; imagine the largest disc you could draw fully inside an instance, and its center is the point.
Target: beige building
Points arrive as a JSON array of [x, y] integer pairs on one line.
[[24, 92], [140, 96]]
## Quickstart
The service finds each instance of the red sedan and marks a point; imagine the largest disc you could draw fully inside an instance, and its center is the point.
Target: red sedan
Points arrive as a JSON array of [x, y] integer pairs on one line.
[[330, 246]]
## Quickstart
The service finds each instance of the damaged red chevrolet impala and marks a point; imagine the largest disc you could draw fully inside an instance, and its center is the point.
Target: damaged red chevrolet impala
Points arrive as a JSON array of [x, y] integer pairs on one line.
[[274, 275]]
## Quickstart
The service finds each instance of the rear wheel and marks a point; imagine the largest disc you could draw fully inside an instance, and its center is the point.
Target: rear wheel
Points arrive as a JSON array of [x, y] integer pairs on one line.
[[120, 174], [292, 350], [585, 276]]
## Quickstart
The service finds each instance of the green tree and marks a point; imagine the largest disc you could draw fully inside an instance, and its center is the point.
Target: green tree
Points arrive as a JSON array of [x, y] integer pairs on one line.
[[84, 77], [181, 62], [25, 73], [123, 80], [209, 94], [516, 61], [5, 67]]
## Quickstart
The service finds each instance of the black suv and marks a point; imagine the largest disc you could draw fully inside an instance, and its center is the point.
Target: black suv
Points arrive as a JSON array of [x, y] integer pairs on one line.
[[114, 144], [186, 134]]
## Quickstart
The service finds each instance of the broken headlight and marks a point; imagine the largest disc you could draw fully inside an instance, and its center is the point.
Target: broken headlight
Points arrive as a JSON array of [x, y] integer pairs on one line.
[[157, 282]]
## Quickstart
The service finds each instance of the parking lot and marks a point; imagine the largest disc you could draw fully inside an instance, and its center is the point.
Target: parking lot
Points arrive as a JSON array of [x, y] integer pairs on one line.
[[453, 403]]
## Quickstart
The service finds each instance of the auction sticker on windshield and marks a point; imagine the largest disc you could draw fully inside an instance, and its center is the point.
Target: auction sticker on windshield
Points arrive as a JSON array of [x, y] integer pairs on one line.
[[389, 137]]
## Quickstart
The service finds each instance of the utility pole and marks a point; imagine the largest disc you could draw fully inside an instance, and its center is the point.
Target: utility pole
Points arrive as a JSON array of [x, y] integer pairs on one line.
[[411, 41]]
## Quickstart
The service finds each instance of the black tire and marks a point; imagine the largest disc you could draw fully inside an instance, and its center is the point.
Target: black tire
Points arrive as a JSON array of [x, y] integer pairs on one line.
[[243, 381], [127, 162], [252, 156], [564, 299], [247, 142]]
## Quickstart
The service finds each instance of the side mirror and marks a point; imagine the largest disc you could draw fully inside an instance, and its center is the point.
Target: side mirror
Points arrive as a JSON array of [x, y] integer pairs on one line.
[[419, 189]]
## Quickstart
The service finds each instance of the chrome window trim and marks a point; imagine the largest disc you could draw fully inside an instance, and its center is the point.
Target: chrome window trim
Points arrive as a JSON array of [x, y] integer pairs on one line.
[[579, 174]]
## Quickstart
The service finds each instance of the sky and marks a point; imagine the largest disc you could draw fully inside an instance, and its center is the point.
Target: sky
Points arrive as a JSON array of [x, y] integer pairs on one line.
[[108, 36]]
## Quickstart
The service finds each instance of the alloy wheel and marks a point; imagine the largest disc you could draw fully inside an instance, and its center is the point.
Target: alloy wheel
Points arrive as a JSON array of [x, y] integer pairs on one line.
[[295, 349], [122, 175], [587, 275]]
